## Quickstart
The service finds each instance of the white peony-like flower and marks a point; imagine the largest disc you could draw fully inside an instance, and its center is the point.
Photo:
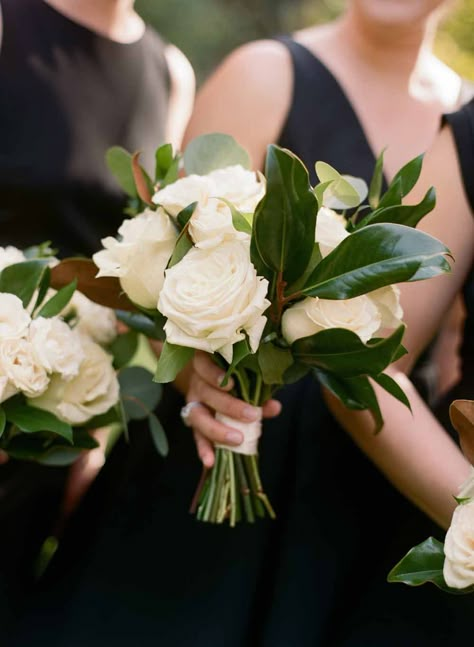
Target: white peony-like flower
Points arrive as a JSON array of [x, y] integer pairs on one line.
[[140, 257], [330, 230], [90, 393], [313, 314], [458, 567], [211, 224], [7, 389], [14, 319], [20, 365], [9, 256], [239, 186], [57, 347], [387, 300], [179, 195], [212, 297], [94, 320]]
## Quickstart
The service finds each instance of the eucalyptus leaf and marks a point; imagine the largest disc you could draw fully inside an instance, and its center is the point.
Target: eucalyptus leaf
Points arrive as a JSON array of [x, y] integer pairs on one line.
[[158, 435], [150, 327], [374, 257], [59, 456], [207, 153], [123, 348], [22, 279], [319, 190], [139, 394], [31, 419], [119, 162], [59, 301], [172, 360]]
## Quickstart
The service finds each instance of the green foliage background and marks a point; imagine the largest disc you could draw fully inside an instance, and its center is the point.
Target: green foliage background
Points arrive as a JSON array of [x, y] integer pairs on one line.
[[206, 30]]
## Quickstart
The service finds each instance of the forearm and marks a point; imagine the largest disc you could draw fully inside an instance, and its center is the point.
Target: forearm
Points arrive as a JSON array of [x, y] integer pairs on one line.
[[413, 451]]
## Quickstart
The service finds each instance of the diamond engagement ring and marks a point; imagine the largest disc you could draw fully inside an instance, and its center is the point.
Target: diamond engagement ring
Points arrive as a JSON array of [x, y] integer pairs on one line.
[[186, 411]]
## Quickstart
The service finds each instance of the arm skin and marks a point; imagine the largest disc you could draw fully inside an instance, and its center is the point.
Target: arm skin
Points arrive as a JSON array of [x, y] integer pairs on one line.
[[415, 452]]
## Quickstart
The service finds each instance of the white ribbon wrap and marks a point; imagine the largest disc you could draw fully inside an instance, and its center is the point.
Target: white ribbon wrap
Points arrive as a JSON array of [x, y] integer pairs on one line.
[[250, 430]]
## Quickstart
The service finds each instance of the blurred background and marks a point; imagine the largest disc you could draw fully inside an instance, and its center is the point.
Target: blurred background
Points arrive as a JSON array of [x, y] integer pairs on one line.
[[206, 30]]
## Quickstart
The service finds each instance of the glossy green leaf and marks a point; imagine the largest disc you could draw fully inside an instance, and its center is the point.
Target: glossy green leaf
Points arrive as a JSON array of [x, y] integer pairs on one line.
[[392, 196], [376, 256], [3, 421], [408, 175], [59, 301], [274, 362], [158, 435], [392, 387], [376, 184], [184, 216], [139, 394], [240, 222], [59, 456], [172, 360], [214, 151], [342, 352], [319, 190], [43, 288], [408, 215], [119, 162], [123, 348], [240, 350], [43, 250], [285, 219], [30, 419], [22, 279], [163, 160], [150, 327]]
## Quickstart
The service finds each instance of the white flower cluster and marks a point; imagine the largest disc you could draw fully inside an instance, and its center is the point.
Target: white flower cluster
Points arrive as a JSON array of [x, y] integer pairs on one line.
[[212, 296], [367, 315], [458, 568], [58, 368]]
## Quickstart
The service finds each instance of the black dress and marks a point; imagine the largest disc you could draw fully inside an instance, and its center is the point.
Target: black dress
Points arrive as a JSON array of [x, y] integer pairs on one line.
[[66, 95], [137, 569]]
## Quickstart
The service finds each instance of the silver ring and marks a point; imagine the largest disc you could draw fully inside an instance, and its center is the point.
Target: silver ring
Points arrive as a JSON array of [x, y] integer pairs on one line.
[[186, 411]]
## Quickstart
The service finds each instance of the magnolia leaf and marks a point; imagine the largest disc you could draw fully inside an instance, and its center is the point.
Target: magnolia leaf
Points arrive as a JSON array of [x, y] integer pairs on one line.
[[119, 162], [461, 413], [240, 350], [408, 215], [22, 279], [158, 435], [274, 362], [59, 301], [377, 181], [172, 360], [391, 386], [43, 288], [408, 175], [105, 290], [164, 159], [207, 153], [31, 420]]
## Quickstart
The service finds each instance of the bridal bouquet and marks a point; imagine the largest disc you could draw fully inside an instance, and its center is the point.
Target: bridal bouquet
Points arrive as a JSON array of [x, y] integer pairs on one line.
[[58, 358], [273, 277], [450, 566]]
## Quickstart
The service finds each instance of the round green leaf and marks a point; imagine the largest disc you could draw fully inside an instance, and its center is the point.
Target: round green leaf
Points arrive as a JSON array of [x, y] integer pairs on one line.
[[214, 151]]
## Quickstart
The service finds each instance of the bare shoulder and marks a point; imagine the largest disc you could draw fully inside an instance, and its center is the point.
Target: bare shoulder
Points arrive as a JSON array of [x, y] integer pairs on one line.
[[248, 96]]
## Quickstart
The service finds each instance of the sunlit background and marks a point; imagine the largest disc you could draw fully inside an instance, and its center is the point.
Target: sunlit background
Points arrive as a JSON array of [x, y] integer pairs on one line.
[[206, 30]]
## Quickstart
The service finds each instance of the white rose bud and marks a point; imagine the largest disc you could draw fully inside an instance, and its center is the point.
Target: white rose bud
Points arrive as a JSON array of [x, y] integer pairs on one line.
[[179, 195], [330, 230], [93, 320], [239, 186], [387, 300], [20, 365], [211, 297], [14, 319], [57, 347], [211, 225], [92, 392], [313, 315], [458, 568], [139, 259], [9, 256]]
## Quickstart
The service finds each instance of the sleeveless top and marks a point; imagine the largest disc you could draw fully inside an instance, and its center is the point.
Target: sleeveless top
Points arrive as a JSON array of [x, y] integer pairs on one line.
[[66, 95]]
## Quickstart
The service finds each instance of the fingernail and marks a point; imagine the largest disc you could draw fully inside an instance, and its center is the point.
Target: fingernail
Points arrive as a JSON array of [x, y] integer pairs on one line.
[[234, 437], [229, 384], [250, 413]]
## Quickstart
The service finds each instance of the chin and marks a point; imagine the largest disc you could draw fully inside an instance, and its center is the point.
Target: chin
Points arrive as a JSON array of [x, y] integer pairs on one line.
[[396, 12]]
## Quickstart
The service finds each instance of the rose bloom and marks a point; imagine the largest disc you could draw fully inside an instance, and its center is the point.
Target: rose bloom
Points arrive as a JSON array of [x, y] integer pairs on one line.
[[20, 365], [141, 255], [95, 321], [458, 568], [7, 389], [330, 230], [212, 297], [211, 224], [57, 347], [14, 319], [179, 195], [9, 256], [90, 393]]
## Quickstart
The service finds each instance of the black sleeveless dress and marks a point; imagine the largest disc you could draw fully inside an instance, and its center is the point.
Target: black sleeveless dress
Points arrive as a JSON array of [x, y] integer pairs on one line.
[[136, 568], [66, 95]]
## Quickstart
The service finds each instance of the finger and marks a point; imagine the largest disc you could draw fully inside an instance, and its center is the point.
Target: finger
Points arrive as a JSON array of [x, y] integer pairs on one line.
[[210, 372], [204, 422], [271, 409], [205, 449], [226, 404]]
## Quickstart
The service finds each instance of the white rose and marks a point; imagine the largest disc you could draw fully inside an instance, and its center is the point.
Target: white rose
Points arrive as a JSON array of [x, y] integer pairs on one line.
[[140, 257], [467, 488], [179, 195], [211, 224], [57, 347], [458, 568], [330, 230], [312, 315], [92, 392], [14, 319], [93, 320], [20, 365], [7, 389], [387, 300], [239, 186], [9, 256], [211, 297]]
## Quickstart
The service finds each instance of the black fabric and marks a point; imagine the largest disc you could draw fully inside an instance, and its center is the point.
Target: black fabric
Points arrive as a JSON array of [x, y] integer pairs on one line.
[[66, 95], [136, 568]]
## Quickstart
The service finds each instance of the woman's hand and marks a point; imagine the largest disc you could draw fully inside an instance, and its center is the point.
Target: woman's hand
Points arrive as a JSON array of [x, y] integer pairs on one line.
[[204, 387]]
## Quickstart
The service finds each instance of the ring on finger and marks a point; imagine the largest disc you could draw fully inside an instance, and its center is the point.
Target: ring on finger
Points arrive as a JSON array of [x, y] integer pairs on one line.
[[187, 409]]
